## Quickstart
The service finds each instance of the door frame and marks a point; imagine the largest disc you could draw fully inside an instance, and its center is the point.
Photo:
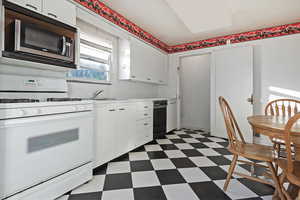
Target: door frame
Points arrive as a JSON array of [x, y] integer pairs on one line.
[[178, 86]]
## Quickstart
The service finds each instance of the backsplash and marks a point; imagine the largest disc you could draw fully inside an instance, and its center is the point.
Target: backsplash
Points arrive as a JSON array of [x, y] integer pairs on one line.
[[119, 89]]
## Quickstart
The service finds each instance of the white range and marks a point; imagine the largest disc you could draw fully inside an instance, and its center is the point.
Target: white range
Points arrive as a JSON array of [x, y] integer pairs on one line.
[[46, 143]]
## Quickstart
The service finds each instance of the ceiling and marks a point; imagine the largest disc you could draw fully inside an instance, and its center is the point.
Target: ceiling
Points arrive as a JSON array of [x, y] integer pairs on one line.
[[176, 22]]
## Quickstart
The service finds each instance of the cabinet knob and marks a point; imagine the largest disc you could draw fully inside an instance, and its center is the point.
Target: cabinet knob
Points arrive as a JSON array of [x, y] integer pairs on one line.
[[149, 79], [145, 114], [122, 109], [53, 15], [31, 6], [133, 76], [111, 110], [146, 124]]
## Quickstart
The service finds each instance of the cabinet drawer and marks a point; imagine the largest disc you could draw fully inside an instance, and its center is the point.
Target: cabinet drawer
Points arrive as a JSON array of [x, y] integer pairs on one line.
[[145, 130], [145, 123], [143, 114], [142, 106]]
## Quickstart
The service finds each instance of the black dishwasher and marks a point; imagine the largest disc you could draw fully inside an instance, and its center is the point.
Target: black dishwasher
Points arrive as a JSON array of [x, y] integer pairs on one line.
[[159, 119]]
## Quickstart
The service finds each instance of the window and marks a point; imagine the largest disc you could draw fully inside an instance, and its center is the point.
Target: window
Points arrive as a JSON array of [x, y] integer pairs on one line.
[[95, 55]]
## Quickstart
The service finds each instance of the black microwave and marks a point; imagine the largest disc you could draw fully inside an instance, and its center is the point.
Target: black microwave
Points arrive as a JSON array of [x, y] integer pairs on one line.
[[39, 39]]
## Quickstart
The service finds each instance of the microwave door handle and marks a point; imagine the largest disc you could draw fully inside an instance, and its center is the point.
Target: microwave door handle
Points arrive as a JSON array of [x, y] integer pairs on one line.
[[17, 35], [63, 52]]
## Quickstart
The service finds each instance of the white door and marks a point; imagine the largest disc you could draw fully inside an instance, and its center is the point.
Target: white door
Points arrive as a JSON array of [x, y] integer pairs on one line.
[[195, 91], [233, 79]]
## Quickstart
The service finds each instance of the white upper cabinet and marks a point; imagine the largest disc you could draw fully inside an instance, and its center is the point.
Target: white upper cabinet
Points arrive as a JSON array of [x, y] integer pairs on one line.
[[141, 62], [35, 5], [60, 10]]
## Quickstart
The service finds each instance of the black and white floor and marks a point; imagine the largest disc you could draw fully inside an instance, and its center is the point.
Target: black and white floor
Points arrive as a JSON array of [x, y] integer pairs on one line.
[[186, 165]]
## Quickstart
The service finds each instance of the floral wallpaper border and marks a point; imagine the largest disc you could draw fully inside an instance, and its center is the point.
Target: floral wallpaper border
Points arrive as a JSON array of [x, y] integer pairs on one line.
[[277, 31], [116, 18]]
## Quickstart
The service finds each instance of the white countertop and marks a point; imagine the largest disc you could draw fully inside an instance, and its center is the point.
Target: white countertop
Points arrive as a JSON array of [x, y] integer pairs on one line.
[[131, 100]]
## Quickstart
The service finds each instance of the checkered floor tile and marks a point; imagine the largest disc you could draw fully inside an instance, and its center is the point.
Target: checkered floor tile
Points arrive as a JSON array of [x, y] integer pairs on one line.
[[186, 164]]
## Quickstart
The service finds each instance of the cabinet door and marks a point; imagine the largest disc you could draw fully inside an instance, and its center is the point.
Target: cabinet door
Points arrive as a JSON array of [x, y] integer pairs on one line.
[[140, 61], [161, 67], [105, 133], [125, 127], [61, 10], [35, 5]]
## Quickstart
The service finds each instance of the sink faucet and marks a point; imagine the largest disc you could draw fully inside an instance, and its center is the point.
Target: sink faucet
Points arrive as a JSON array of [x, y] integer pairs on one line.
[[97, 93]]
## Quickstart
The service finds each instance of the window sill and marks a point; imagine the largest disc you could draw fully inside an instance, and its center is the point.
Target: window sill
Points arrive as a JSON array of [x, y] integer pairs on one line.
[[91, 81]]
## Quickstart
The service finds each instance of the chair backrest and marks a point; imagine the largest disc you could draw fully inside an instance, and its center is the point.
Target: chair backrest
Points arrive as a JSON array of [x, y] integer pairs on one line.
[[234, 133], [290, 139], [282, 107]]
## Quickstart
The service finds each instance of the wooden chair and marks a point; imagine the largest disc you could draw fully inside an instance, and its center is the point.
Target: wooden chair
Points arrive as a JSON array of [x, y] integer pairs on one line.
[[290, 166], [281, 107], [238, 147]]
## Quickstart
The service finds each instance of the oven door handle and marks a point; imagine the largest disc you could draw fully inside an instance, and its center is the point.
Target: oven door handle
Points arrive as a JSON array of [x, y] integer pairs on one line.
[[44, 118], [64, 44], [17, 35]]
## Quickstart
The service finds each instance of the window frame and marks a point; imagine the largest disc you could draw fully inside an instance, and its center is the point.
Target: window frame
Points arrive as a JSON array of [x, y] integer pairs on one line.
[[91, 58]]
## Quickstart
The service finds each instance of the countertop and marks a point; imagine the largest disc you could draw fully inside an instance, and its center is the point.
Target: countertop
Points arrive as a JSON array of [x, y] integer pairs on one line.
[[129, 100]]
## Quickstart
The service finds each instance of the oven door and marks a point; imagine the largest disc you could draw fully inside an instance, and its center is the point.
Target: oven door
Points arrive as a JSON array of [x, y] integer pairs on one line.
[[36, 149], [32, 39]]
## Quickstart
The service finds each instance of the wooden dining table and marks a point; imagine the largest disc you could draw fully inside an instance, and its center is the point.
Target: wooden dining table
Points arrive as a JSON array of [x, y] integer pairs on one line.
[[274, 126]]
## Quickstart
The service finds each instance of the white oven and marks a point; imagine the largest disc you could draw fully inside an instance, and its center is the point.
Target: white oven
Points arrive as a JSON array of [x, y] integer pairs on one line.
[[36, 149]]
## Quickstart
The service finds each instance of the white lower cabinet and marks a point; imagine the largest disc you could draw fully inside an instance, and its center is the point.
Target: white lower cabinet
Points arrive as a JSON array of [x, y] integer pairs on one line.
[[105, 133], [120, 128], [125, 127]]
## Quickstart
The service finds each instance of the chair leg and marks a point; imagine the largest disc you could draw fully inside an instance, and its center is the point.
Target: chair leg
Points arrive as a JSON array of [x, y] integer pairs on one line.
[[231, 169], [276, 180], [282, 181]]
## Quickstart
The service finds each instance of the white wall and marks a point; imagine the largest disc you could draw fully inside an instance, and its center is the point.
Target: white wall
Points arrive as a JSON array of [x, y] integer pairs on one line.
[[276, 64], [195, 91]]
